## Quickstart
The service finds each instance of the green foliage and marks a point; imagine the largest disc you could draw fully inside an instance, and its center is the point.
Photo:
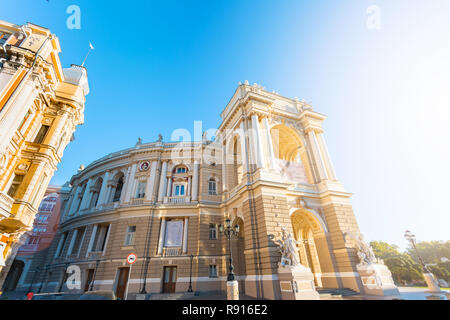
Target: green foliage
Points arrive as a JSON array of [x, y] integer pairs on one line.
[[402, 266], [430, 251]]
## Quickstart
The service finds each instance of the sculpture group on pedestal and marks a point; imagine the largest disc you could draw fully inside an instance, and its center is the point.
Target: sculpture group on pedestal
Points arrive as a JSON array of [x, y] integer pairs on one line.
[[288, 249], [375, 276], [296, 280]]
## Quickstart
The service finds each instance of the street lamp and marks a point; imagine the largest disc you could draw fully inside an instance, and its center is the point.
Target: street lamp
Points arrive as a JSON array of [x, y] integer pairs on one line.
[[412, 239], [432, 284], [190, 276], [230, 232]]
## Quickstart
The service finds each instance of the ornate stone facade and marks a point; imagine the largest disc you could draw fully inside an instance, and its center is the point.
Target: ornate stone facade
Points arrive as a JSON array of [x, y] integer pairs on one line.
[[268, 168], [40, 106]]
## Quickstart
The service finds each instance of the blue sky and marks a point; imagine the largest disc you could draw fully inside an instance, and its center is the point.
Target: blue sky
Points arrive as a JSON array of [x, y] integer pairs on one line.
[[161, 65]]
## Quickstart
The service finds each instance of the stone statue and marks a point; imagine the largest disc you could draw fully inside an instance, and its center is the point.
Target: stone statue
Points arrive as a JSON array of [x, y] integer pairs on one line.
[[139, 141], [288, 248], [160, 137], [364, 251]]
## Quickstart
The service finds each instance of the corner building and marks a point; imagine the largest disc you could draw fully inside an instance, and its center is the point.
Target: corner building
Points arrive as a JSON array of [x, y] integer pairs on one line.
[[268, 167], [41, 104]]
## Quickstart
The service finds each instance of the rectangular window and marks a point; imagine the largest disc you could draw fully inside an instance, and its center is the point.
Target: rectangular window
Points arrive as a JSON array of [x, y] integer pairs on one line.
[[41, 134], [141, 189], [129, 238], [78, 241], [213, 271], [4, 37], [100, 238], [212, 188], [24, 120], [212, 231], [179, 190], [181, 170], [174, 233], [60, 248], [18, 178]]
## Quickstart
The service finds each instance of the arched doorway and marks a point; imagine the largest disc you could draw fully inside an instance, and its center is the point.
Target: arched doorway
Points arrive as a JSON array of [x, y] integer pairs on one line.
[[238, 247], [309, 231], [14, 275]]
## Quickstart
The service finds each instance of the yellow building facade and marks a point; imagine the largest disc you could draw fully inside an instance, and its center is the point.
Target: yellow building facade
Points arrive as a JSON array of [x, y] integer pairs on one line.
[[40, 106], [267, 170]]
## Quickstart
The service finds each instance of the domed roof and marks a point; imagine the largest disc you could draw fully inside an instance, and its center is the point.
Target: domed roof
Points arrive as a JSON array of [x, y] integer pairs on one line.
[[77, 75]]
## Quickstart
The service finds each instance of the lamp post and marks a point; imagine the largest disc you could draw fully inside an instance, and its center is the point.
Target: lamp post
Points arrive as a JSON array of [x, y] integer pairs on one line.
[[232, 286], [432, 284], [190, 275]]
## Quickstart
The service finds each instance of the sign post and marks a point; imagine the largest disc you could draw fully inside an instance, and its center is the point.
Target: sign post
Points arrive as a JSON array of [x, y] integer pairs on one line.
[[131, 259]]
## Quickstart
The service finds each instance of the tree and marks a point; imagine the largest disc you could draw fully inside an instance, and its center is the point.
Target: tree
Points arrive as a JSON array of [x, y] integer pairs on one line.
[[401, 265]]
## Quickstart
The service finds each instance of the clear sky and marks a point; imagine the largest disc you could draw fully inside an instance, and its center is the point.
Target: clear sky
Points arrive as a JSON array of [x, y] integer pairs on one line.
[[383, 83]]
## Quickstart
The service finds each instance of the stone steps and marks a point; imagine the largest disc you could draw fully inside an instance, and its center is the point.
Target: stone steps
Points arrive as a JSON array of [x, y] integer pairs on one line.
[[344, 292], [170, 296]]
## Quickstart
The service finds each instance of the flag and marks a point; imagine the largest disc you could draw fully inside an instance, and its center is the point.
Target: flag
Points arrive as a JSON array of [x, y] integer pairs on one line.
[[90, 45]]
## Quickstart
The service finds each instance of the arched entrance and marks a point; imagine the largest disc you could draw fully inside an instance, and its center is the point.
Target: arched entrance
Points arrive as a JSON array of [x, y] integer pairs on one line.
[[14, 275], [238, 247], [309, 230]]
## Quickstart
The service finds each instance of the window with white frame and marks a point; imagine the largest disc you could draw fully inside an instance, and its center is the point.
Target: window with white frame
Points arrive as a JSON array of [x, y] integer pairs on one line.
[[179, 190], [129, 237], [181, 170], [212, 187], [4, 37], [140, 192], [213, 271], [100, 238], [212, 231]]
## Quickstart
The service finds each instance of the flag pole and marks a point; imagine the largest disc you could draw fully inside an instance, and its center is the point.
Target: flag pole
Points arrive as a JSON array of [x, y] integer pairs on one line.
[[90, 49]]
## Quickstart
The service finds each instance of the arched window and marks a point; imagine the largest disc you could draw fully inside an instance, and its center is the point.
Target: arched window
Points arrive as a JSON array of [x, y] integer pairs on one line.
[[180, 169], [212, 187], [118, 191]]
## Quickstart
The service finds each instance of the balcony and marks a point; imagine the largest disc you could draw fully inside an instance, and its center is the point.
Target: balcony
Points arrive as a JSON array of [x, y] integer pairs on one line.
[[171, 251], [137, 201], [6, 203], [177, 200]]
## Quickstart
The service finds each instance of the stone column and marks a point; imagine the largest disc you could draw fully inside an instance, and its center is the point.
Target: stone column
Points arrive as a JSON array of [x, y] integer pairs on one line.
[[130, 184], [16, 111], [87, 196], [320, 165], [244, 151], [162, 235], [72, 242], [326, 155], [103, 190], [188, 192], [169, 186], [224, 167], [195, 181], [54, 133], [162, 181], [269, 143], [60, 244], [75, 200], [185, 234], [91, 241], [151, 182], [257, 142]]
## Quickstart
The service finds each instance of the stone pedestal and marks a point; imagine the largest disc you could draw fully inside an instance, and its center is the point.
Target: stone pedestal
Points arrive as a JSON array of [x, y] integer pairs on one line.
[[232, 290], [433, 286], [377, 280], [297, 283]]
